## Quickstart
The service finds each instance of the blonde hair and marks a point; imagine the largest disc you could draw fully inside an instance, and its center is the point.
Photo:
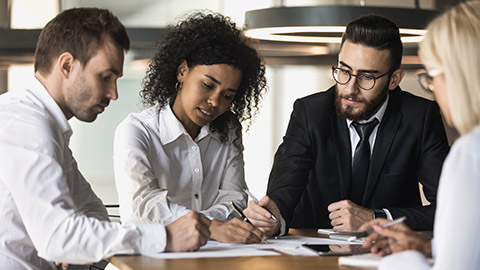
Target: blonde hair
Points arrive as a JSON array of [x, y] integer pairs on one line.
[[451, 45]]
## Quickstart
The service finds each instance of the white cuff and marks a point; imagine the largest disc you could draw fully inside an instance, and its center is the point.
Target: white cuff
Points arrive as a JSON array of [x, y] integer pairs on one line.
[[389, 215], [283, 226], [153, 238]]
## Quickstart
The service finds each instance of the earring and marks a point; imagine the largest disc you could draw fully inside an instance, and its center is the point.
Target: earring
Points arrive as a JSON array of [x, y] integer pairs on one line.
[[178, 86]]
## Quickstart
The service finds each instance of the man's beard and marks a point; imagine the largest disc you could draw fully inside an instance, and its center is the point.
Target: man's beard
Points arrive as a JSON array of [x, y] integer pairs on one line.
[[371, 107], [78, 101]]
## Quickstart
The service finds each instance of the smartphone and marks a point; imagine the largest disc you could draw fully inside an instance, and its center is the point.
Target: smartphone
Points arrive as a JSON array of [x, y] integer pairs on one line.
[[336, 250]]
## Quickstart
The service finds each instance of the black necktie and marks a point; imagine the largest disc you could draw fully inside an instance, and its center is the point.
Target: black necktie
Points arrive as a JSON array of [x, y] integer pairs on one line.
[[361, 160]]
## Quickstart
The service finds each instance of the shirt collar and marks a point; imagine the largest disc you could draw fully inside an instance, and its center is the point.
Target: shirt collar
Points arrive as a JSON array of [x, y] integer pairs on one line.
[[51, 107], [379, 114], [174, 128]]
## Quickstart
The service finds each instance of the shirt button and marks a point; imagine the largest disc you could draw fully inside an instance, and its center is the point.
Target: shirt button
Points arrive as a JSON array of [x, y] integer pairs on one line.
[[196, 196], [194, 148], [197, 170]]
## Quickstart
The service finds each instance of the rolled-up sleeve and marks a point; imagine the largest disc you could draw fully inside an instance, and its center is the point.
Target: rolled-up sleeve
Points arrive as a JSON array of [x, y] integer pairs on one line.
[[46, 189]]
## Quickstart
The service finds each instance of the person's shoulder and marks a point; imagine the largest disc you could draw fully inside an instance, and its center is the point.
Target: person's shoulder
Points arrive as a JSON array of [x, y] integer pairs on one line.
[[23, 108], [463, 160], [408, 98], [413, 106], [322, 103], [147, 118], [468, 143], [24, 121]]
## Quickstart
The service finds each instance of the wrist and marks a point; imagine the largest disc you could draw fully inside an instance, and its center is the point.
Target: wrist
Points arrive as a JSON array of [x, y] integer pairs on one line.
[[427, 248], [275, 231], [214, 228]]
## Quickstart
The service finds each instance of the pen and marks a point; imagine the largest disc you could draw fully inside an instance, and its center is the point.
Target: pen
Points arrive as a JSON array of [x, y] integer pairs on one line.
[[366, 233], [256, 200], [244, 218]]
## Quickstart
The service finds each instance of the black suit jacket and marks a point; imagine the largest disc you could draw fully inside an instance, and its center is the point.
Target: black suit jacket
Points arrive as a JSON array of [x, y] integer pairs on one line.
[[312, 167]]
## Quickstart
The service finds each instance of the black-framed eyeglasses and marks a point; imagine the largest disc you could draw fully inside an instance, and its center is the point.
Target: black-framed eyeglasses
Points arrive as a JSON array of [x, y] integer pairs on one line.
[[366, 81], [426, 79]]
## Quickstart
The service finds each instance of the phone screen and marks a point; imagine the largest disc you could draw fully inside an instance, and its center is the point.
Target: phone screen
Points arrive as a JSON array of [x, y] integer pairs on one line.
[[336, 250], [319, 248]]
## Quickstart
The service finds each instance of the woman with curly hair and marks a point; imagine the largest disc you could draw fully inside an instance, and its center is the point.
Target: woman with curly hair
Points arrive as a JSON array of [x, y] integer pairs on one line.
[[185, 152]]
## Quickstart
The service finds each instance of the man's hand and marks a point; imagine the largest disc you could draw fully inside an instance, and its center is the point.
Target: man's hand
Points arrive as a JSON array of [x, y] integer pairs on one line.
[[259, 216], [64, 265], [396, 238], [346, 216], [377, 243], [187, 233], [235, 231]]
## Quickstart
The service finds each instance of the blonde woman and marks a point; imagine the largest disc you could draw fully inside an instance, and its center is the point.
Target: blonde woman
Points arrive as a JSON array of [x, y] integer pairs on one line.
[[452, 60]]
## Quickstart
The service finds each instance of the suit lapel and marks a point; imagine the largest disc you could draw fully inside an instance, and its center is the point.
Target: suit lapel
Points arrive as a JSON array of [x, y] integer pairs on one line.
[[341, 140], [385, 136]]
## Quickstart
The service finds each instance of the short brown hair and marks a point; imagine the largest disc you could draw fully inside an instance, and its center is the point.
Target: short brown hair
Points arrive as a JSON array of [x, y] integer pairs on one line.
[[376, 32], [79, 31]]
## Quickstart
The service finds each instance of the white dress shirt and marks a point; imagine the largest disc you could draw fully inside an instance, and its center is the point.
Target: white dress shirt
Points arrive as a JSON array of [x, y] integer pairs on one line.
[[355, 138], [48, 211], [457, 241], [161, 173]]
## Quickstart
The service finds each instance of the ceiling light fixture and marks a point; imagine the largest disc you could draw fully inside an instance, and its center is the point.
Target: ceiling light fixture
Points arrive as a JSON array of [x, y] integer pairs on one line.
[[325, 24]]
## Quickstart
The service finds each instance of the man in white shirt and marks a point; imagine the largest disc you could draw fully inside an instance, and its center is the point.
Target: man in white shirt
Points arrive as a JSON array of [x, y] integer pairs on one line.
[[48, 210]]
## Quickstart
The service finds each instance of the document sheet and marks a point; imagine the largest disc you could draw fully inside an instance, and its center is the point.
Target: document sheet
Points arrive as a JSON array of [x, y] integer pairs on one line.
[[287, 244]]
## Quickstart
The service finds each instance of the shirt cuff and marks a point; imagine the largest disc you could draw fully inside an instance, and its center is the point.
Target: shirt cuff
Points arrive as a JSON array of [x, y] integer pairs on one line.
[[153, 238], [283, 226], [389, 215], [433, 248]]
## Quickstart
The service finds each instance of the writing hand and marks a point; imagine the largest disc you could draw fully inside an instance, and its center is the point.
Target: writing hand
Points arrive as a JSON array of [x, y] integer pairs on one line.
[[398, 238], [260, 215]]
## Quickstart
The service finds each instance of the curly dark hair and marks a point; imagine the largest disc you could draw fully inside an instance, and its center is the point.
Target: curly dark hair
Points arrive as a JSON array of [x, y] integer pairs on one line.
[[207, 39]]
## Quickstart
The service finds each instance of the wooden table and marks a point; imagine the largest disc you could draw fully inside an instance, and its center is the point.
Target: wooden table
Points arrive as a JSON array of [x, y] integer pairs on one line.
[[282, 262]]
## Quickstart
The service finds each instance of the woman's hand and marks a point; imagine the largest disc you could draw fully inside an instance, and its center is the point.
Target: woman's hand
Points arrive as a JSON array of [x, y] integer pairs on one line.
[[393, 239]]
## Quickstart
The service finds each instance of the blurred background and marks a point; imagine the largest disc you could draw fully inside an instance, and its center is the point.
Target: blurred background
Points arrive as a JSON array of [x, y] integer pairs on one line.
[[294, 69]]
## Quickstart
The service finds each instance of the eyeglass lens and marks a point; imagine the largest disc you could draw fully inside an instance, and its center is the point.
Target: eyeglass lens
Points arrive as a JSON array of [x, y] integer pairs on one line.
[[425, 81], [364, 80]]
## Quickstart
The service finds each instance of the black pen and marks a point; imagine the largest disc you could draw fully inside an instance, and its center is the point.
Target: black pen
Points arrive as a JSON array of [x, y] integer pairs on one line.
[[240, 213], [256, 200]]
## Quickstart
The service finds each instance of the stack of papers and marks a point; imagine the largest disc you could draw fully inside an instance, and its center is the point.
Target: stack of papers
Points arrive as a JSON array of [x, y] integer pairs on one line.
[[291, 245], [343, 236], [367, 260]]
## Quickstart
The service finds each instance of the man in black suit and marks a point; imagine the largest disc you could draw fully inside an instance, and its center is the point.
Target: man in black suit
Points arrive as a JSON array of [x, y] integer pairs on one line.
[[358, 150]]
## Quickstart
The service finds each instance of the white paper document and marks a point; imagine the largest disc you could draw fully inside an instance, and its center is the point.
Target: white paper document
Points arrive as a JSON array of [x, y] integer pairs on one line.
[[368, 260], [215, 251], [287, 244]]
